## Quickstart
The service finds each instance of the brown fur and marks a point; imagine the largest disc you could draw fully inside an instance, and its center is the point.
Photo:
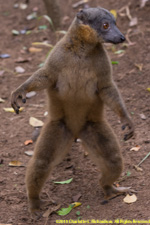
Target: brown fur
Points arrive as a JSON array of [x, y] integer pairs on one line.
[[78, 79]]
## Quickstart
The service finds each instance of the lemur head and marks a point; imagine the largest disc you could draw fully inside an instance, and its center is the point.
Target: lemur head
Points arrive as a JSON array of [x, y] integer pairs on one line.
[[103, 22]]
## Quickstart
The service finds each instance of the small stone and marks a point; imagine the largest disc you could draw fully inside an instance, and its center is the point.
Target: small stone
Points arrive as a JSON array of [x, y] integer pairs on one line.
[[35, 134]]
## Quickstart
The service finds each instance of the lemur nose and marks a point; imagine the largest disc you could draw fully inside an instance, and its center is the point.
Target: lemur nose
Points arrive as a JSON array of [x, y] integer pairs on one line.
[[122, 38]]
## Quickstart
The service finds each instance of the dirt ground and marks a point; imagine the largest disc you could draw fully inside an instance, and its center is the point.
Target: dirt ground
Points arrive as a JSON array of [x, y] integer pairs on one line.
[[132, 78]]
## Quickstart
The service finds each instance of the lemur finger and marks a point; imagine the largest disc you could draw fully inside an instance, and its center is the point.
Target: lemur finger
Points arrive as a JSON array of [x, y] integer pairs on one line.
[[23, 96]]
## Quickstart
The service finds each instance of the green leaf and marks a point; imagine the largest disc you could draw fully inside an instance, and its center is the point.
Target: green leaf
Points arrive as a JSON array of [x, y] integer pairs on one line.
[[119, 51], [41, 65], [88, 207], [78, 213], [42, 27], [114, 62], [128, 173], [64, 182], [65, 211], [79, 218]]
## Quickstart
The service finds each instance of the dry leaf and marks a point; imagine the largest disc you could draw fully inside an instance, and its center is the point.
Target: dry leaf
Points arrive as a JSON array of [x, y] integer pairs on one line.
[[23, 6], [143, 2], [35, 122], [2, 100], [32, 16], [2, 72], [114, 12], [30, 94], [28, 142], [8, 109], [86, 153], [29, 153], [130, 198], [46, 113], [65, 19], [117, 185], [76, 197], [128, 39], [22, 60], [76, 204], [139, 169], [139, 66], [51, 210], [148, 89], [143, 117], [12, 110], [35, 9], [133, 22], [34, 50], [119, 52], [15, 32], [136, 148], [42, 44], [15, 163], [5, 224], [128, 12], [19, 69]]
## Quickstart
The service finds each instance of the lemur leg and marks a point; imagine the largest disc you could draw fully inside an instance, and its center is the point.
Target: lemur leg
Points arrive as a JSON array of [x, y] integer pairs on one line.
[[52, 145], [100, 141]]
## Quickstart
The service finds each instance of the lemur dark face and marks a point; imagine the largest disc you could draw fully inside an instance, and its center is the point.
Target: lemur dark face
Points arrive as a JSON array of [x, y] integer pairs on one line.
[[103, 22]]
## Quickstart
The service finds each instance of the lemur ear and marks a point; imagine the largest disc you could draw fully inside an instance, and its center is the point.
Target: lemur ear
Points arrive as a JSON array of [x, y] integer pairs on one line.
[[81, 15]]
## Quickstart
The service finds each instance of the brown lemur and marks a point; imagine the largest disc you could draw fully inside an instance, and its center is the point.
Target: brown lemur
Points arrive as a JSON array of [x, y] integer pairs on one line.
[[78, 78]]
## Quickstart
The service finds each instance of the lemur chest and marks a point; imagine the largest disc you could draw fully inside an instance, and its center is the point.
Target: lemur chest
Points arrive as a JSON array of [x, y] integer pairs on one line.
[[77, 85]]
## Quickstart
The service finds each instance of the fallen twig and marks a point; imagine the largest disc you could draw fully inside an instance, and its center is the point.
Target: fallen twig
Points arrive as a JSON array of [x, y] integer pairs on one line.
[[7, 70], [77, 4], [144, 159], [137, 167], [127, 38]]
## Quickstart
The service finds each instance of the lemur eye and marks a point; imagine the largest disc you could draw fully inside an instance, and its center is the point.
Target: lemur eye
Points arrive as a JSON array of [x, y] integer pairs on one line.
[[105, 26]]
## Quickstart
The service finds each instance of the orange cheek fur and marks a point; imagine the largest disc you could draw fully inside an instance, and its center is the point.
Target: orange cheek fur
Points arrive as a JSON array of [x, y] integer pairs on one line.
[[87, 34]]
